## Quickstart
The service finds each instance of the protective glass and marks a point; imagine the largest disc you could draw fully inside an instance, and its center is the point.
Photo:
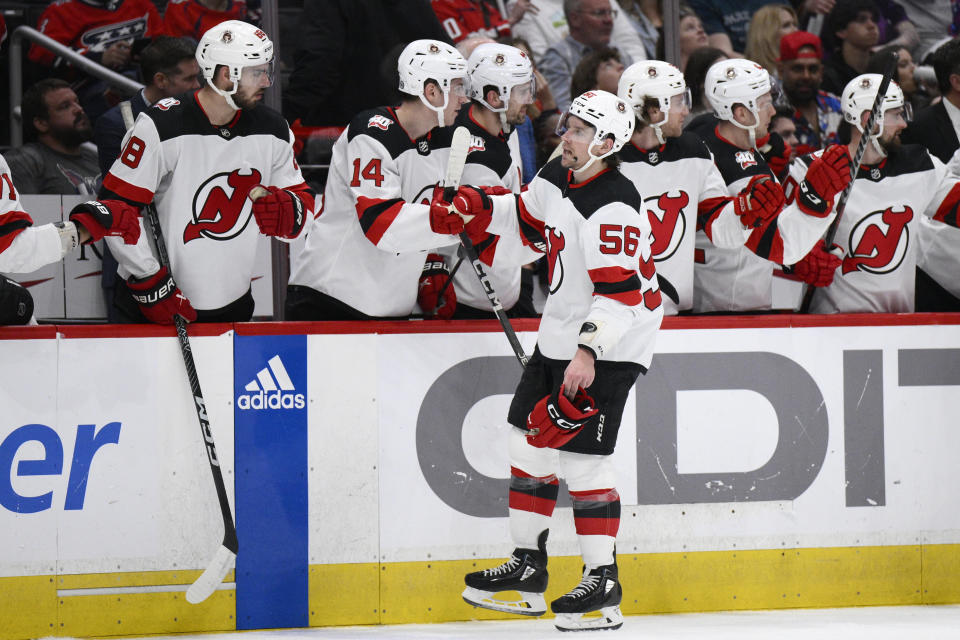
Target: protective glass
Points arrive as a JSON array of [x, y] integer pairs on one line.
[[524, 93], [260, 76], [904, 113], [579, 130], [457, 88], [681, 100]]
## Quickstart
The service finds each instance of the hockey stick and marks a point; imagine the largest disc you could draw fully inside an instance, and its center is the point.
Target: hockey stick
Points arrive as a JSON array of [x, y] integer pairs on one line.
[[204, 586], [888, 72], [450, 275], [459, 148]]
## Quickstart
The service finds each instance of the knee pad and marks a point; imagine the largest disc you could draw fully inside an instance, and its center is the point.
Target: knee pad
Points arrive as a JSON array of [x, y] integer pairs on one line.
[[585, 472], [531, 460], [16, 303]]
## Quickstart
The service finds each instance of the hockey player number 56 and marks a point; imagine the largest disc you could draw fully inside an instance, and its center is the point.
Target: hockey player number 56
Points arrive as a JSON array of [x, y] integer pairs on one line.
[[615, 238], [370, 172]]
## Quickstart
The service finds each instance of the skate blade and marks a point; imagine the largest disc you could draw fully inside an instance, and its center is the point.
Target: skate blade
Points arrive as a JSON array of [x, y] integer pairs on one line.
[[529, 604], [610, 618]]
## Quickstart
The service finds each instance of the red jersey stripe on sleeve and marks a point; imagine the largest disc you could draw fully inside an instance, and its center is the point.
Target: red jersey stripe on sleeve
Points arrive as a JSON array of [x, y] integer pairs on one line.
[[126, 190], [376, 215], [617, 283], [12, 224], [707, 211], [947, 211], [532, 230]]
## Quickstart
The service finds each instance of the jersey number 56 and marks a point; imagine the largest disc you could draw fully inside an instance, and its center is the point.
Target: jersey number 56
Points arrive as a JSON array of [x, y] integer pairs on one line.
[[615, 238]]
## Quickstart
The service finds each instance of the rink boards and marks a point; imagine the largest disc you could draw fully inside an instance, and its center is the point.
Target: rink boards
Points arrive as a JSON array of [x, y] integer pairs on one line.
[[787, 462]]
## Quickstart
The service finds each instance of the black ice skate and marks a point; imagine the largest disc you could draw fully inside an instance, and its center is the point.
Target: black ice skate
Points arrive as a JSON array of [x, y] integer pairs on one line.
[[599, 590], [525, 571]]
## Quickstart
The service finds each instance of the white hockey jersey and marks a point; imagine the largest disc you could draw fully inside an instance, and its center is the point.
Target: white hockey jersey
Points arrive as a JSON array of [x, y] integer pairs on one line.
[[199, 176], [490, 163], [678, 179], [742, 279], [368, 247], [23, 247], [599, 262], [880, 230]]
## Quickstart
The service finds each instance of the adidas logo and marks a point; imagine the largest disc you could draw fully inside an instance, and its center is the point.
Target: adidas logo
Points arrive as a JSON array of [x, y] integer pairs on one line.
[[271, 389]]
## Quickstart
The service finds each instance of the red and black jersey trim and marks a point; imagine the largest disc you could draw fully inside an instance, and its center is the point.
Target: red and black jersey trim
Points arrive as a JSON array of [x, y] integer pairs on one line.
[[376, 215], [947, 211], [188, 119], [708, 210], [532, 230], [617, 283], [12, 224], [766, 242], [495, 154]]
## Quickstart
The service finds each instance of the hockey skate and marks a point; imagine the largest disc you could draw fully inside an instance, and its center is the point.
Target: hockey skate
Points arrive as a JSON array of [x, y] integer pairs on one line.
[[525, 572], [599, 590]]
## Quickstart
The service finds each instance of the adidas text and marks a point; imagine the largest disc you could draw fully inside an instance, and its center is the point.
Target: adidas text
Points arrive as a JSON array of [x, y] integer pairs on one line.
[[271, 400]]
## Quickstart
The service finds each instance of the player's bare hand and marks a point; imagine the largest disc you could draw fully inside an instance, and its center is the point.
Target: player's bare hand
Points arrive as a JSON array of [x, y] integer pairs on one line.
[[117, 55], [579, 373]]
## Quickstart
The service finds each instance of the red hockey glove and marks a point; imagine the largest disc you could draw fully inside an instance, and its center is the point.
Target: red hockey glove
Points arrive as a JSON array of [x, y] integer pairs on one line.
[[442, 219], [826, 176], [817, 267], [434, 279], [556, 419], [776, 151], [759, 201], [476, 202], [160, 299], [108, 218], [279, 213]]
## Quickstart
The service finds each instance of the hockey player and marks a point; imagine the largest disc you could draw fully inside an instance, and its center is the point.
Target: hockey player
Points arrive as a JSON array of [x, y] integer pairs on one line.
[[879, 232], [596, 337], [679, 169], [364, 255], [501, 85], [25, 248], [196, 158], [741, 279]]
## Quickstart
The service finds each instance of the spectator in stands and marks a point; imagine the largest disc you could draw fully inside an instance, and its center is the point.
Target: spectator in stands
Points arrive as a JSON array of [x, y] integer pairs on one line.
[[726, 22], [106, 32], [191, 18], [695, 74], [646, 17], [851, 33], [591, 24], [550, 25], [913, 92], [56, 162], [932, 20], [338, 72], [783, 125], [169, 68], [767, 26], [692, 37], [816, 113], [937, 127], [465, 18], [599, 69]]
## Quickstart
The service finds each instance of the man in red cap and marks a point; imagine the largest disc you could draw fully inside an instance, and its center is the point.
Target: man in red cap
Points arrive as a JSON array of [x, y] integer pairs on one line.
[[816, 113]]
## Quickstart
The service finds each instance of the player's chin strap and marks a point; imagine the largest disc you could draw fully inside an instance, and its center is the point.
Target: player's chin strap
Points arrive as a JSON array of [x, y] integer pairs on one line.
[[751, 129], [439, 110], [227, 95]]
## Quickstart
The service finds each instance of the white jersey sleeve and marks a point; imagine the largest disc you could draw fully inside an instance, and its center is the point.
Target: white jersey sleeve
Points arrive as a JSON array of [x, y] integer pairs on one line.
[[23, 247]]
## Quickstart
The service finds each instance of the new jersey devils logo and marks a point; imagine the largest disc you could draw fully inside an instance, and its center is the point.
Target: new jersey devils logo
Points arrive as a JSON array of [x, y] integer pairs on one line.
[[667, 223], [220, 207], [555, 244], [881, 240]]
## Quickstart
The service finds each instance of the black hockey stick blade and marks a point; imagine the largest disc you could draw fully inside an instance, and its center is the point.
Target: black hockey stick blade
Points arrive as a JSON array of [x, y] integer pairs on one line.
[[888, 72]]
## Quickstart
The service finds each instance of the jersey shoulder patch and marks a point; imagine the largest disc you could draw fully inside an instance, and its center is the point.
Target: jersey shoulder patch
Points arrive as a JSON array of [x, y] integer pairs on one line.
[[487, 150], [381, 125]]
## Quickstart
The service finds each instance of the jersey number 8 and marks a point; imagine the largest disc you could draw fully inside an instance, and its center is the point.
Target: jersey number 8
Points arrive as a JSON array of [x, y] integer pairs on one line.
[[133, 152]]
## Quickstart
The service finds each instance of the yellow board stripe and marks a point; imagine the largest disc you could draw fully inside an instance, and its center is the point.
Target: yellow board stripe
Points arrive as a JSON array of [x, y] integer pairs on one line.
[[406, 592]]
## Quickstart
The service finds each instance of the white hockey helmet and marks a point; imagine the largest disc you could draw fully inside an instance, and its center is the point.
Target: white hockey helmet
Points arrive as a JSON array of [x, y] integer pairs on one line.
[[234, 44], [502, 67], [424, 60], [858, 96], [654, 79], [737, 81], [607, 114]]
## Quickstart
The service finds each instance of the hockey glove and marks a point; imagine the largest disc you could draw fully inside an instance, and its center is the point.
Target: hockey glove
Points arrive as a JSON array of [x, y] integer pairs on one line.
[[160, 299], [776, 151], [279, 213], [760, 200], [108, 218], [826, 176], [442, 219], [16, 303], [555, 420], [476, 202], [436, 295], [817, 267]]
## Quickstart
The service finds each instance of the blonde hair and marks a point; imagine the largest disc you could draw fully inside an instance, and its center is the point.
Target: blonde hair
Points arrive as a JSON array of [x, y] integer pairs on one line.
[[763, 36]]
